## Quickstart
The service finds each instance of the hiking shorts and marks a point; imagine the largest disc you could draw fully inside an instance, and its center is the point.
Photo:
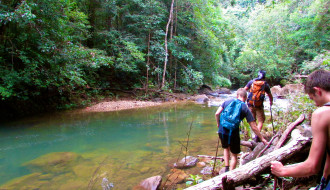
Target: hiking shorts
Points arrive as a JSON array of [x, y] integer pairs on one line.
[[235, 144], [258, 113]]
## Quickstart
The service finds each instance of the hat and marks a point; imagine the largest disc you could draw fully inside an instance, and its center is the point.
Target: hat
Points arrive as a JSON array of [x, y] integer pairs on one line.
[[261, 74]]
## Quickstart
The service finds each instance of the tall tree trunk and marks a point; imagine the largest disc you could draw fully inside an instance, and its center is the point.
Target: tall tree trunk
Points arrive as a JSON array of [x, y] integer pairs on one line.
[[148, 62], [166, 51], [175, 25], [169, 52]]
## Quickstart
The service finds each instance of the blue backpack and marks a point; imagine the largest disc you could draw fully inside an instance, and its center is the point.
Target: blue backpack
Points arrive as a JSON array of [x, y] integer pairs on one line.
[[230, 117]]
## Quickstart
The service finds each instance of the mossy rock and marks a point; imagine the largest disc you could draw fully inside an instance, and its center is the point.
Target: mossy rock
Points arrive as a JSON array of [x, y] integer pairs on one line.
[[83, 170], [56, 162], [74, 185]]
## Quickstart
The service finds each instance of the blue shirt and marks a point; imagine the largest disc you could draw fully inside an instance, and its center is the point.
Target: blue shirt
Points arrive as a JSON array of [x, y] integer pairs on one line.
[[245, 113]]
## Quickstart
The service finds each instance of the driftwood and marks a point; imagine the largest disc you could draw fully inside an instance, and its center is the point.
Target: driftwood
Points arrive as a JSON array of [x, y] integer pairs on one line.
[[240, 175]]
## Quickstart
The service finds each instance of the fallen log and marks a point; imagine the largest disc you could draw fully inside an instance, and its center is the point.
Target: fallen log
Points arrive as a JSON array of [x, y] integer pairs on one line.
[[242, 174], [250, 144], [258, 149]]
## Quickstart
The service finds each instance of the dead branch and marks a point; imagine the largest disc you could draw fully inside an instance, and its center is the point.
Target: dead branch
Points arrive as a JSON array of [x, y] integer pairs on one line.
[[270, 143], [210, 157], [287, 132]]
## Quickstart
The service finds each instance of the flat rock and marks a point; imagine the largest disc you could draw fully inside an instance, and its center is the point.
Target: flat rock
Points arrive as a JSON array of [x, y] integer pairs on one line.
[[186, 162]]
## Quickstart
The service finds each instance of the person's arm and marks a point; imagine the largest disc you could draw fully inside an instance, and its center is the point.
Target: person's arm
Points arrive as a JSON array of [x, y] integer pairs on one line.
[[270, 98], [248, 85], [269, 93], [217, 115], [254, 127], [313, 163]]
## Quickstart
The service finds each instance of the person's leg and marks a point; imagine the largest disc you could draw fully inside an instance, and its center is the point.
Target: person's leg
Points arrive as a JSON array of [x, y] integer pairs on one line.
[[254, 113], [260, 116], [226, 150], [235, 149], [233, 161], [226, 153]]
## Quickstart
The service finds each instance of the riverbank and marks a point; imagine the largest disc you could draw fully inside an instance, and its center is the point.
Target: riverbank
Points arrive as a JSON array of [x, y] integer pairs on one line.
[[107, 105]]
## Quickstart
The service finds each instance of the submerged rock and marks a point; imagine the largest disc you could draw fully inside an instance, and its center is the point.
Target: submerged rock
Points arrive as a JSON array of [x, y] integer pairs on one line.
[[57, 162], [24, 181]]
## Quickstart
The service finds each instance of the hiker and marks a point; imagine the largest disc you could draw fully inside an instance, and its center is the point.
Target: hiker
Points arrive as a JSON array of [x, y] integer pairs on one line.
[[237, 110], [258, 87], [318, 88]]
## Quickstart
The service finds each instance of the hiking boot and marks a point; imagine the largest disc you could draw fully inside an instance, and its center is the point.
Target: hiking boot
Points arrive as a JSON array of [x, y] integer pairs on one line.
[[223, 170]]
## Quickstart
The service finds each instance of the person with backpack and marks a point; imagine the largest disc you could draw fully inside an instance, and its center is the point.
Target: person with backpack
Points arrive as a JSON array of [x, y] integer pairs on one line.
[[318, 88], [258, 87], [229, 116]]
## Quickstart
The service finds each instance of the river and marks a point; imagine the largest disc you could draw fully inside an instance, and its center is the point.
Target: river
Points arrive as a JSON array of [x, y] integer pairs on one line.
[[74, 150]]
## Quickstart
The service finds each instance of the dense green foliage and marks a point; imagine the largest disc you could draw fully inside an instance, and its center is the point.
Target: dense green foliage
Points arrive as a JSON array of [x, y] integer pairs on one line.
[[52, 52]]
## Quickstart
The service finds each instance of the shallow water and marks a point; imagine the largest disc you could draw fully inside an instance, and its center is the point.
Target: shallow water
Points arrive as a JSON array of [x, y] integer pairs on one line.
[[73, 150]]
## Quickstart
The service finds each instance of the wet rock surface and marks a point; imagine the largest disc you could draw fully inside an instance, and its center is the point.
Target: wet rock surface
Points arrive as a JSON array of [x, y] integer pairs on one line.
[[186, 162]]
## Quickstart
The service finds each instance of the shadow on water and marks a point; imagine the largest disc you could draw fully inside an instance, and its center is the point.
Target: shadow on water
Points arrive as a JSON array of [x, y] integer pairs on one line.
[[74, 150]]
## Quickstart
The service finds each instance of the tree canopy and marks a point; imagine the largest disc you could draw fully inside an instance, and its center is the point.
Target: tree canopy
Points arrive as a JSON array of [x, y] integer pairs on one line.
[[53, 51]]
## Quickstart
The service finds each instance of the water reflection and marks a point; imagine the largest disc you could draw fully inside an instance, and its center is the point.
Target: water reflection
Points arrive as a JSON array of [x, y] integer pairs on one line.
[[78, 150]]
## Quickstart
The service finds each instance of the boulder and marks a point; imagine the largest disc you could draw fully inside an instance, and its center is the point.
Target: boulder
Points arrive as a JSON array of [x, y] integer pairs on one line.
[[223, 91], [276, 90], [186, 162], [287, 89], [205, 89], [293, 88], [175, 177], [201, 98], [151, 183]]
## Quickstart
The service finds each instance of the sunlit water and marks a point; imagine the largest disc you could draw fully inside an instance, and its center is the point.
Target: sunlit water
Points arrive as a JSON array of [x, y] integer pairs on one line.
[[78, 150]]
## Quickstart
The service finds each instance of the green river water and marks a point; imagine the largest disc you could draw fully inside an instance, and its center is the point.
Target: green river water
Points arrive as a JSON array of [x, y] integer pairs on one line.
[[75, 150]]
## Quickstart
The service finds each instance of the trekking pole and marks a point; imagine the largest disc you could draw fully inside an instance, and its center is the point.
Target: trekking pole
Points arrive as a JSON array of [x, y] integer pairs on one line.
[[271, 117], [215, 159]]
